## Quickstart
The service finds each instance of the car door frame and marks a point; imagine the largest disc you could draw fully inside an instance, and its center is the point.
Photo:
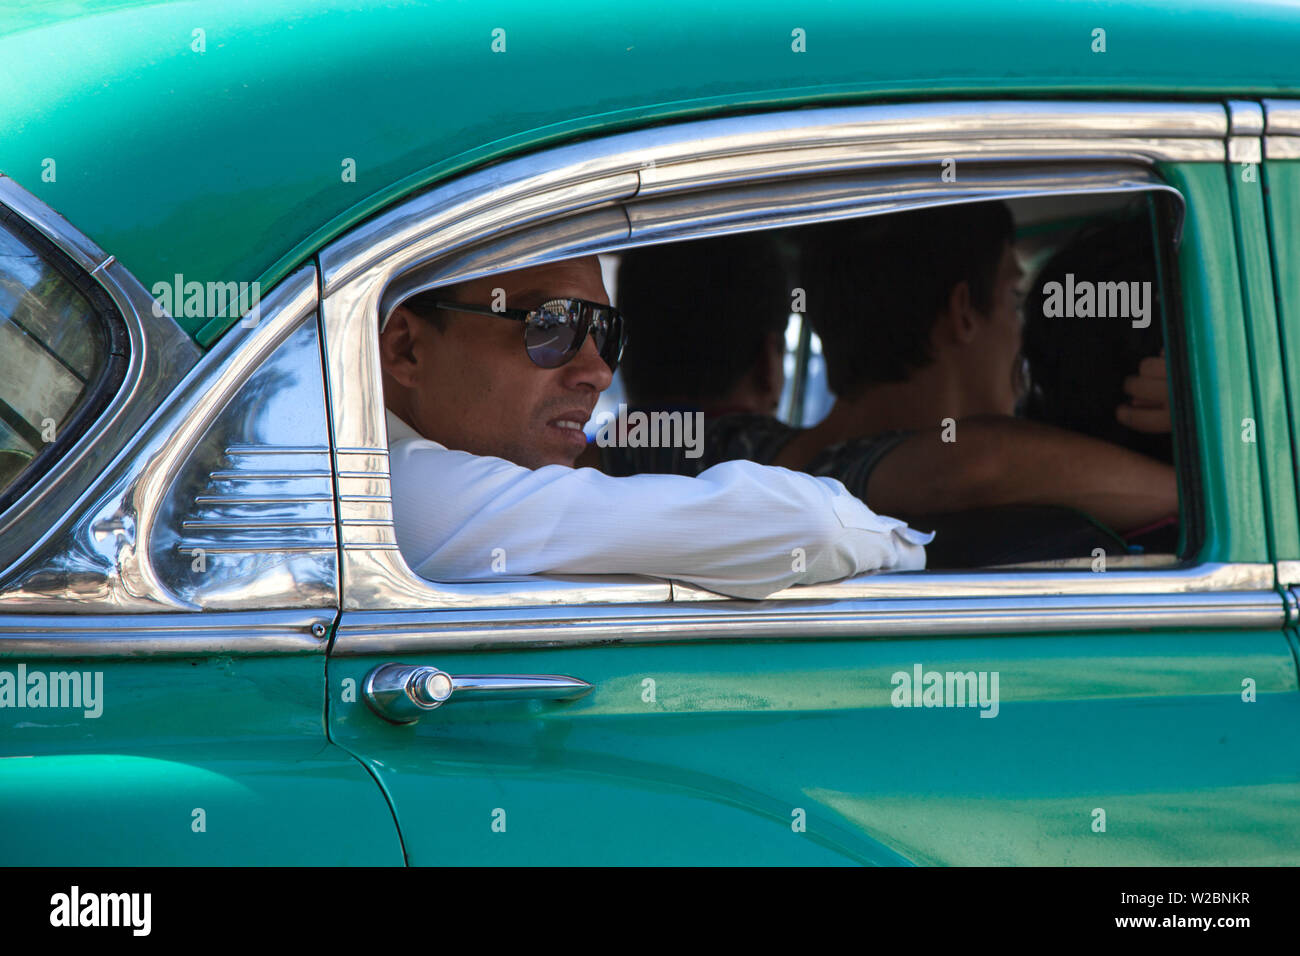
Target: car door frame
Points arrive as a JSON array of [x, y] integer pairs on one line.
[[636, 188], [409, 246]]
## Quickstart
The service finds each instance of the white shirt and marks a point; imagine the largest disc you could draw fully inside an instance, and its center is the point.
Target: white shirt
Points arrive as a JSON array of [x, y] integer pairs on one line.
[[739, 528]]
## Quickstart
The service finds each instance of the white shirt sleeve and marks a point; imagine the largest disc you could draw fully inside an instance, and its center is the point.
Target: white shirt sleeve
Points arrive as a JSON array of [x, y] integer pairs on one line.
[[739, 528]]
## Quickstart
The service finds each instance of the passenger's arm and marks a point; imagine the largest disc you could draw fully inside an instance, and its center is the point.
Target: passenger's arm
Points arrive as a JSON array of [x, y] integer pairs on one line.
[[739, 528], [997, 460]]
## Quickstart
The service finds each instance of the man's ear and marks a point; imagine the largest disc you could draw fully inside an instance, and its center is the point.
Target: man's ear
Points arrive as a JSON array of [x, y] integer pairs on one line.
[[396, 346], [959, 318]]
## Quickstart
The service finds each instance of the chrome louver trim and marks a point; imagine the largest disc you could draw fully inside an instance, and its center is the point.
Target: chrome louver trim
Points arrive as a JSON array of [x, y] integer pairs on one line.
[[118, 552]]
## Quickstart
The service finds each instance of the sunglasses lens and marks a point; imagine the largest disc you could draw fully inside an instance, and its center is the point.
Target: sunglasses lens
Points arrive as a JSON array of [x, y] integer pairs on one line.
[[558, 328], [553, 335], [607, 329]]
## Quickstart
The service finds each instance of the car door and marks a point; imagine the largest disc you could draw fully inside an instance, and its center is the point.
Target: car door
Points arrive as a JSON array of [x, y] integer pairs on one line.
[[1131, 714], [168, 576]]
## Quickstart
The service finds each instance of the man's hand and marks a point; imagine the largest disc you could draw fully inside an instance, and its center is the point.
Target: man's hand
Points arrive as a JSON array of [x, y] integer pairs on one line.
[[1147, 409]]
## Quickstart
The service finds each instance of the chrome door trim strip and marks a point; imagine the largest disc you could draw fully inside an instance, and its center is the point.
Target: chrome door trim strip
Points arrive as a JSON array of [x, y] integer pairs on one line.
[[1245, 129], [1282, 147], [404, 633], [1188, 579], [1288, 573], [1281, 129], [237, 633], [1245, 149]]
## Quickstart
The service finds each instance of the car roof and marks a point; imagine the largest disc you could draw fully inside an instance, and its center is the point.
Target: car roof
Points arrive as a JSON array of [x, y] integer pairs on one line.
[[225, 165]]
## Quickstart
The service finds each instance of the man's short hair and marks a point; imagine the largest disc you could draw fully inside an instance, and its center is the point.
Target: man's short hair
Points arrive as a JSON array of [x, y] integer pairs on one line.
[[697, 315], [1078, 367], [876, 286], [422, 305]]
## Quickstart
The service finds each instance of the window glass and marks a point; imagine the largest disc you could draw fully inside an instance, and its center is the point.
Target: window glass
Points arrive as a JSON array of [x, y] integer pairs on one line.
[[54, 353], [997, 373], [1067, 305]]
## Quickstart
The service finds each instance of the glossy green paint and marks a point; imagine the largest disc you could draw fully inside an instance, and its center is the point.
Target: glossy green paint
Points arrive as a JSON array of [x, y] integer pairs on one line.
[[738, 737], [241, 739], [1219, 368], [1282, 187], [1268, 376], [226, 165], [741, 741]]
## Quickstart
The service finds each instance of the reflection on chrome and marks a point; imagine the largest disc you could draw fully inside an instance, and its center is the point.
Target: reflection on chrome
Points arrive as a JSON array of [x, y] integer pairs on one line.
[[125, 552]]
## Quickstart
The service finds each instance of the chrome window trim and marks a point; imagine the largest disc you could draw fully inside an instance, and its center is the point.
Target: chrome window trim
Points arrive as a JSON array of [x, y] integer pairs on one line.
[[581, 198], [824, 139], [154, 636], [791, 201], [98, 557], [1245, 129], [160, 355], [1288, 573], [1281, 129]]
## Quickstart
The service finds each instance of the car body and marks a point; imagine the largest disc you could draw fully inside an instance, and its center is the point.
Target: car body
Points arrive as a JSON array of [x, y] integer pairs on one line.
[[217, 543]]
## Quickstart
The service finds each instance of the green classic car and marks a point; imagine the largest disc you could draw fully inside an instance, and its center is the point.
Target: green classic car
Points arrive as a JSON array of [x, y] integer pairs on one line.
[[211, 648]]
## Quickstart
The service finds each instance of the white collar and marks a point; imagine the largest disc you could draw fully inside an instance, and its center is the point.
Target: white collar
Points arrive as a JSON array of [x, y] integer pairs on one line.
[[398, 430]]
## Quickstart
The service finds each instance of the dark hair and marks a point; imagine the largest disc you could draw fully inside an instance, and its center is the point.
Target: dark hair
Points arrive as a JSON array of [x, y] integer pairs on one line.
[[697, 314], [1078, 366], [422, 304], [875, 287]]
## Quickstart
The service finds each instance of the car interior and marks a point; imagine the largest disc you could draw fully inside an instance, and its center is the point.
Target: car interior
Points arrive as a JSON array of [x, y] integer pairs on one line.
[[1076, 369]]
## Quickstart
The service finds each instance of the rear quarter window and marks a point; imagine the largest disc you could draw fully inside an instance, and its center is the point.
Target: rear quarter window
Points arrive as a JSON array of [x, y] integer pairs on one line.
[[63, 354]]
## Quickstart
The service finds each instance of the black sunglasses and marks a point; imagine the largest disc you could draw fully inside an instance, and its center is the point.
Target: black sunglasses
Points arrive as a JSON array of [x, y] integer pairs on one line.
[[555, 330]]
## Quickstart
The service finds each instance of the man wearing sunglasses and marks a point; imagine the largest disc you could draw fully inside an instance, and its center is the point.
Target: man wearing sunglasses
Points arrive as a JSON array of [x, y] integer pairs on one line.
[[488, 384]]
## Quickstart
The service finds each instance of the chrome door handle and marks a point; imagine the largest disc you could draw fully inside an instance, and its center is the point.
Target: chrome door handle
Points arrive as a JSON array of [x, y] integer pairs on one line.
[[403, 693]]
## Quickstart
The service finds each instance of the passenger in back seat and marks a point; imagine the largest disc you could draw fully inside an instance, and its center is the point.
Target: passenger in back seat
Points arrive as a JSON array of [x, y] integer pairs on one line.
[[918, 313]]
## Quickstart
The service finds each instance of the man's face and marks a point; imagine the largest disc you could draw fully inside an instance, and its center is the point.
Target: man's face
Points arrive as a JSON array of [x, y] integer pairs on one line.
[[472, 386], [997, 358]]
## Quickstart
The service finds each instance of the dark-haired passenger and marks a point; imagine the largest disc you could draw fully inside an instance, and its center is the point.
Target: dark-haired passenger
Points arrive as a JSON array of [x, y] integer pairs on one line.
[[706, 335], [919, 317], [714, 313]]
